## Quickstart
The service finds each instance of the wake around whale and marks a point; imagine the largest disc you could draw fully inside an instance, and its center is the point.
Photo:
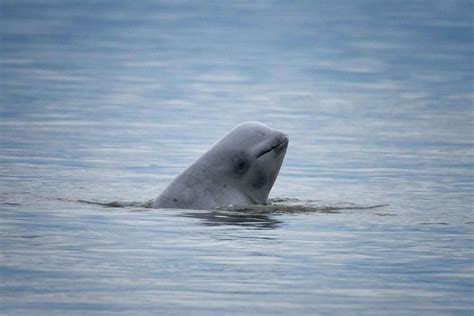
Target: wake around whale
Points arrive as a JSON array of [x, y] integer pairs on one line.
[[240, 169]]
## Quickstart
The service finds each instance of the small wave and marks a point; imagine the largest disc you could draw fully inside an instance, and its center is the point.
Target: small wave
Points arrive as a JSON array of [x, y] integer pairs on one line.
[[146, 204], [262, 216], [273, 206], [10, 203], [251, 216], [438, 223], [116, 204], [291, 205]]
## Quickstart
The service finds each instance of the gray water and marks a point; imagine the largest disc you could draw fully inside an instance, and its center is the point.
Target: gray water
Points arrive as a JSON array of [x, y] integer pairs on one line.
[[109, 102]]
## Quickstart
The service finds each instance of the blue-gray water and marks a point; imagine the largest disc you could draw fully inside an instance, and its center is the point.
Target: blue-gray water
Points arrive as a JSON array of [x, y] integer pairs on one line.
[[110, 101]]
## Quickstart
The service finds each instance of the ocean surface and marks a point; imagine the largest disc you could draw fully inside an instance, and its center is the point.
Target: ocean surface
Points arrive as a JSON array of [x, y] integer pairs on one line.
[[109, 101]]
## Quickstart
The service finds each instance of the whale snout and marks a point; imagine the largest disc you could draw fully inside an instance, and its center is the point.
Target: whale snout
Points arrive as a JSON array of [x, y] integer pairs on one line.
[[278, 145], [282, 140]]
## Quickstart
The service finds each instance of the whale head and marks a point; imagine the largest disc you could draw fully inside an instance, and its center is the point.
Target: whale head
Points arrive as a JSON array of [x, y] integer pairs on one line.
[[249, 159], [240, 169]]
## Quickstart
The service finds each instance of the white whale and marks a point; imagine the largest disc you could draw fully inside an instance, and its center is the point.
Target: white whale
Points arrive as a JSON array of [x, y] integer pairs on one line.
[[240, 169]]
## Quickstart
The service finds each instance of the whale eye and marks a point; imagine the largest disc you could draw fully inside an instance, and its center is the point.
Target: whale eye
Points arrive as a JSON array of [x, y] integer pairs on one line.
[[241, 164]]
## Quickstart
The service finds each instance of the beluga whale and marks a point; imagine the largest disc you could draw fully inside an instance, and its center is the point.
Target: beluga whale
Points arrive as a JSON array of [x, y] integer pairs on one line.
[[240, 169]]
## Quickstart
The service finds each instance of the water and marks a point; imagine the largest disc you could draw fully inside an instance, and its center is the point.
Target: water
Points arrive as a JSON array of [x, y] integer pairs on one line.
[[109, 102]]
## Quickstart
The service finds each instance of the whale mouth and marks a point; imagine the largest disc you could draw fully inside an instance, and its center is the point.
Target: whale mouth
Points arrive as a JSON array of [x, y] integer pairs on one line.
[[284, 142]]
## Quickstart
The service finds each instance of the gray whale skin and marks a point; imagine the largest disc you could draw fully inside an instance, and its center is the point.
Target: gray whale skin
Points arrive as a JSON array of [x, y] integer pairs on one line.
[[239, 169]]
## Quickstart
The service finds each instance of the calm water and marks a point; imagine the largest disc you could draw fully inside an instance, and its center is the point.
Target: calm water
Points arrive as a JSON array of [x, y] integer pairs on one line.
[[107, 102]]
